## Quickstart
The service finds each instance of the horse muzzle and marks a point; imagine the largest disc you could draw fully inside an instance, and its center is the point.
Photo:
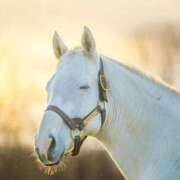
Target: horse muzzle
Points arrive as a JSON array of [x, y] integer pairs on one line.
[[48, 153]]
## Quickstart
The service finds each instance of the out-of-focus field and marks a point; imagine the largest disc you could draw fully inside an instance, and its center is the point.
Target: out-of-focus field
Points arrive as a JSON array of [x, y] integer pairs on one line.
[[141, 33]]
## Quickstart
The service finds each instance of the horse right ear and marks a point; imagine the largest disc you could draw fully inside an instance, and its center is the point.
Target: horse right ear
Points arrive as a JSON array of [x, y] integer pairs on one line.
[[58, 46], [87, 41]]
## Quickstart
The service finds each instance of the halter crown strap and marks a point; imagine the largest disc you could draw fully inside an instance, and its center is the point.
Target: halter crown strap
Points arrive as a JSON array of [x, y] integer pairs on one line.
[[102, 83]]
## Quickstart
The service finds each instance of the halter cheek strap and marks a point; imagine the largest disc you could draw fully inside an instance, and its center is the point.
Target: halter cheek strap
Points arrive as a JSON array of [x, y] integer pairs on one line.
[[77, 124]]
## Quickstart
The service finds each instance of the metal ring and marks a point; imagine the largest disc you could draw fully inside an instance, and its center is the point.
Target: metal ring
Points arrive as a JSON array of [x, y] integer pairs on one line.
[[75, 133], [101, 82]]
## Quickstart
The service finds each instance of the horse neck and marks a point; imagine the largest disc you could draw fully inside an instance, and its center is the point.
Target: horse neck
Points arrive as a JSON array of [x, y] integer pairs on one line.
[[137, 107]]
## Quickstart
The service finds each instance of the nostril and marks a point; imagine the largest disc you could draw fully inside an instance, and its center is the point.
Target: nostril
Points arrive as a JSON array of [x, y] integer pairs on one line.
[[52, 142], [51, 148]]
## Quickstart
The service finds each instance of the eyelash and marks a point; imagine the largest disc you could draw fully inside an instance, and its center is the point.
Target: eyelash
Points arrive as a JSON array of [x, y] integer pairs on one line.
[[84, 87]]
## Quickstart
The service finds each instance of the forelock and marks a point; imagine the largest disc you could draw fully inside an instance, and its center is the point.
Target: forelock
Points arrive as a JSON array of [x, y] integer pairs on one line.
[[80, 52], [75, 51]]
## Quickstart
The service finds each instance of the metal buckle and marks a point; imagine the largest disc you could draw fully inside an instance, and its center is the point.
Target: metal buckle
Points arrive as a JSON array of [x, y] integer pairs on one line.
[[103, 82], [74, 133]]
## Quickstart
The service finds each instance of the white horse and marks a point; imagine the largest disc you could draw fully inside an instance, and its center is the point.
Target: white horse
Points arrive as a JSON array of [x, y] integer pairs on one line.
[[142, 124]]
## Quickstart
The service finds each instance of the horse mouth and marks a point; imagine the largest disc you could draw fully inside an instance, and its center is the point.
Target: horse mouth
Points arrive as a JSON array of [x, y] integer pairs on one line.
[[47, 162], [52, 164]]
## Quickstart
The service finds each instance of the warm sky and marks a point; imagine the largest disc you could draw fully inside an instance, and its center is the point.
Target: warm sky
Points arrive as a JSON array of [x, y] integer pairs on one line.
[[26, 30], [32, 23]]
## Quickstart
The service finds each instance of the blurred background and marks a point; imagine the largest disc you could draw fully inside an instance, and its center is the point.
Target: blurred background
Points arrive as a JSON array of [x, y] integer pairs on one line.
[[145, 34]]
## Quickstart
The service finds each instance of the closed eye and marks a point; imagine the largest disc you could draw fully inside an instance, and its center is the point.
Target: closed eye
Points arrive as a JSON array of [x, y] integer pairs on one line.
[[84, 87]]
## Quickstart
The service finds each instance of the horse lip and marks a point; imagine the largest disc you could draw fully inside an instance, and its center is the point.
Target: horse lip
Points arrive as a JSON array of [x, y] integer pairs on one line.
[[47, 163], [54, 163]]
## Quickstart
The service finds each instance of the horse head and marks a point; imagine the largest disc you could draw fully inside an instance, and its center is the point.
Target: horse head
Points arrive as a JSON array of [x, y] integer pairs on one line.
[[73, 95]]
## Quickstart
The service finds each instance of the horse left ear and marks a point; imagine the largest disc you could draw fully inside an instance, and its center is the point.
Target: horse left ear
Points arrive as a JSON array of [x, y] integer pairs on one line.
[[87, 40], [58, 46]]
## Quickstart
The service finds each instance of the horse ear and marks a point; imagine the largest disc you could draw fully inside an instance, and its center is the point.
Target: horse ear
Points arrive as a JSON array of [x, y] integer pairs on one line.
[[58, 46], [87, 40]]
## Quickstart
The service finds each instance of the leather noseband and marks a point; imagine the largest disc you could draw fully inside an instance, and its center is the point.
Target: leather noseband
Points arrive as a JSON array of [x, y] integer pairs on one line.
[[79, 123]]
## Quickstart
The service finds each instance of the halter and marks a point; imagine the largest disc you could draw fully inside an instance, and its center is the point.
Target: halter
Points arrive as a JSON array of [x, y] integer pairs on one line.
[[77, 124]]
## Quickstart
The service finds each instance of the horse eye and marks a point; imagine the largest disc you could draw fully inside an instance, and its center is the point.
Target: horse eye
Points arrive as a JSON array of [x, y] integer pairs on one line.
[[84, 87]]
